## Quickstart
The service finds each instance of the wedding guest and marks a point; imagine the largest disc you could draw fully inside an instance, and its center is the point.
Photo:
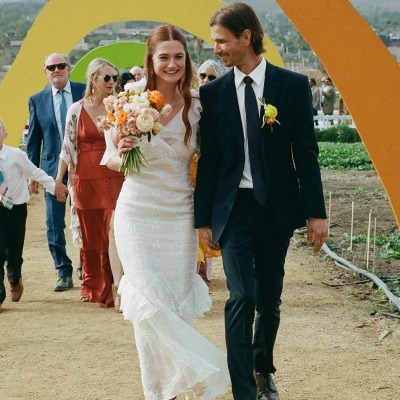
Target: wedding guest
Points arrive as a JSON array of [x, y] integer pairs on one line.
[[95, 187], [258, 179], [126, 77], [47, 112], [329, 94], [161, 293], [15, 169], [137, 73], [207, 72], [315, 97]]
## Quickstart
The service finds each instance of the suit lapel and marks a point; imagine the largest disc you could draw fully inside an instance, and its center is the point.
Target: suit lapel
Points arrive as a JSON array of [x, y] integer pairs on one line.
[[230, 100], [75, 93], [48, 106], [269, 94], [270, 86]]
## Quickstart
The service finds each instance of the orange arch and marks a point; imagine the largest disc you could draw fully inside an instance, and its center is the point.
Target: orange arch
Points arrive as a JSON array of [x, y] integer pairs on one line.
[[366, 73]]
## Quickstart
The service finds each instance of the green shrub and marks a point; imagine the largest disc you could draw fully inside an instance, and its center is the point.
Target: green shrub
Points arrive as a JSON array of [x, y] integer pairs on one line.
[[327, 135], [338, 134], [344, 156], [347, 135]]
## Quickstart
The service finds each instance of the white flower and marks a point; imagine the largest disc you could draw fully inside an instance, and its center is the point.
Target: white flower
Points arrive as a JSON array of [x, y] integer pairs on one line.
[[145, 122], [141, 100], [166, 110], [128, 107]]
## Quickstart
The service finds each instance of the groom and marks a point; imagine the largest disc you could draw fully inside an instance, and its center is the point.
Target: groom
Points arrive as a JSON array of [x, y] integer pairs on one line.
[[256, 183]]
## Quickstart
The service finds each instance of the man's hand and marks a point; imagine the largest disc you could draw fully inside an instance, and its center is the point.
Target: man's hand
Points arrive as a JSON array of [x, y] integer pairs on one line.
[[206, 234], [317, 232], [33, 186]]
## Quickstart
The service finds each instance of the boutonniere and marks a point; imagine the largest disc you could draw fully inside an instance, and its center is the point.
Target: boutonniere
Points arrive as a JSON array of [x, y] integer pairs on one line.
[[270, 113]]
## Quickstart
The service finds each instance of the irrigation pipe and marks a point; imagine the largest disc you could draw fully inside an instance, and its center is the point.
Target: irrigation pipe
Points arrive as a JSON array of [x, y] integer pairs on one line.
[[394, 299]]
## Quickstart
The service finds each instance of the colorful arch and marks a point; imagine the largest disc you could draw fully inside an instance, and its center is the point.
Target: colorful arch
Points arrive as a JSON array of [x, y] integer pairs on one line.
[[25, 73], [360, 65], [122, 54]]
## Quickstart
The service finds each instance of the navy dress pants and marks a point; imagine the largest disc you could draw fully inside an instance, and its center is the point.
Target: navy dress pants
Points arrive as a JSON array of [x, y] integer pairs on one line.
[[55, 222], [253, 255]]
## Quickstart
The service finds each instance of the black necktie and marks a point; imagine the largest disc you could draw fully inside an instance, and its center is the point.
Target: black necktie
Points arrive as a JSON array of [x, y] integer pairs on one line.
[[255, 156], [63, 111]]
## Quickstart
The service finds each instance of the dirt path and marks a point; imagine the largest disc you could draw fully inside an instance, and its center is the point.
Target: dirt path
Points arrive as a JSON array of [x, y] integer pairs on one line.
[[54, 347]]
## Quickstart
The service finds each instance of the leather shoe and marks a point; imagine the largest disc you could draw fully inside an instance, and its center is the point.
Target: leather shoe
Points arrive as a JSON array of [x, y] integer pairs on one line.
[[266, 389], [16, 291], [79, 272], [64, 283]]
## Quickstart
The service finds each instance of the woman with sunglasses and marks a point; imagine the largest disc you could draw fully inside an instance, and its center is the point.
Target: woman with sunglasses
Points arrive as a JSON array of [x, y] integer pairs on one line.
[[161, 293], [209, 71], [95, 188]]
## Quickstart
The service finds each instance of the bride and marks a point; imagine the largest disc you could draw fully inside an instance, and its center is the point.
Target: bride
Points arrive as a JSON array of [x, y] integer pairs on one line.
[[161, 293]]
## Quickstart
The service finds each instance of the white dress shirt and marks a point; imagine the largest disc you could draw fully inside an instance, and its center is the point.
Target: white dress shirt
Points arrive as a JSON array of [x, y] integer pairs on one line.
[[258, 76], [17, 169], [57, 103]]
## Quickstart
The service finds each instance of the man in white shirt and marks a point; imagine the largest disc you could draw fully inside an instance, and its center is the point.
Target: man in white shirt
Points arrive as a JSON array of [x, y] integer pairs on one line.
[[258, 179], [15, 169]]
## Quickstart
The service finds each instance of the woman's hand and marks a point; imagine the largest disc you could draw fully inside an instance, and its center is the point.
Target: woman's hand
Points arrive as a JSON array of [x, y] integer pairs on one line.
[[127, 143], [206, 234], [61, 192]]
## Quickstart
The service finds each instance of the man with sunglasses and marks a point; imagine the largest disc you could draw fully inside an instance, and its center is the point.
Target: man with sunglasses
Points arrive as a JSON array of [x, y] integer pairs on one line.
[[47, 111]]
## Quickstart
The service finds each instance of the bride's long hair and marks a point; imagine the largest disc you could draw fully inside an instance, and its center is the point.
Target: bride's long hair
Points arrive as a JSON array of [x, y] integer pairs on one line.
[[166, 33]]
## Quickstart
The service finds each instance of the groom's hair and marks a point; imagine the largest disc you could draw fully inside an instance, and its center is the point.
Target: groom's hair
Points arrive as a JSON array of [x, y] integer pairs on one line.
[[237, 17]]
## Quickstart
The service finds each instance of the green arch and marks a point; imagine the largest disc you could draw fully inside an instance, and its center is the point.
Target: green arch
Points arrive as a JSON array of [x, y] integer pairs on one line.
[[121, 54]]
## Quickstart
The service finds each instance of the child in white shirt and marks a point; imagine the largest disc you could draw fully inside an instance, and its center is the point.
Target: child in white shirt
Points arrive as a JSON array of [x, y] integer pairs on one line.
[[15, 169]]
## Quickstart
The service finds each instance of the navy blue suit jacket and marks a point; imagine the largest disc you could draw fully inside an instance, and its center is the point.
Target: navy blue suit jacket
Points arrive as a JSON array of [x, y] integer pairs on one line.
[[290, 153], [43, 142]]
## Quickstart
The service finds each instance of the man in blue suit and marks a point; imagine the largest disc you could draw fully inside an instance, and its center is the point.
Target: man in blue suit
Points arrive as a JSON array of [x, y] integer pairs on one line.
[[258, 179], [45, 137]]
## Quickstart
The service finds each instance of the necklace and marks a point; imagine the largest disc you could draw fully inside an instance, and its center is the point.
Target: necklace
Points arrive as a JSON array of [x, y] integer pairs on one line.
[[94, 115], [92, 109]]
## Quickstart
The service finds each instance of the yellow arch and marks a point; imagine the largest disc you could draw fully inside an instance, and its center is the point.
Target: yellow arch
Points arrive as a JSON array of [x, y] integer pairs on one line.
[[59, 27], [366, 73]]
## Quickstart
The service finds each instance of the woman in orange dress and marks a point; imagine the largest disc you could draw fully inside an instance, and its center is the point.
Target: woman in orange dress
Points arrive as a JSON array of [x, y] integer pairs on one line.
[[95, 187]]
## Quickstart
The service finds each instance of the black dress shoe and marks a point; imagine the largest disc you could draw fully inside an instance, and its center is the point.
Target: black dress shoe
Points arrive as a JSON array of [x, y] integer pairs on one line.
[[266, 389], [79, 272], [64, 283]]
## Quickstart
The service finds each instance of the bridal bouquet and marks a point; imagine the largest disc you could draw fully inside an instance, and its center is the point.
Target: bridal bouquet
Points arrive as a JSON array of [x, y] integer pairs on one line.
[[134, 113]]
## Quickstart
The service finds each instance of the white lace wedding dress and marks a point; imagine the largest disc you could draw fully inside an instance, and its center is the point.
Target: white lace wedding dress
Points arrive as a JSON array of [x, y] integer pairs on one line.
[[161, 293]]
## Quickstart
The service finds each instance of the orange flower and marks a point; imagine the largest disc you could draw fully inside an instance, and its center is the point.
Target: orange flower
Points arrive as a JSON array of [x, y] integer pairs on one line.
[[111, 117], [270, 121], [156, 98], [122, 117]]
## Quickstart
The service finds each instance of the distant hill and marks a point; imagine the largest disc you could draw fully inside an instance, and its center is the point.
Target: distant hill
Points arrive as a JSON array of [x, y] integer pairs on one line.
[[363, 6], [366, 6]]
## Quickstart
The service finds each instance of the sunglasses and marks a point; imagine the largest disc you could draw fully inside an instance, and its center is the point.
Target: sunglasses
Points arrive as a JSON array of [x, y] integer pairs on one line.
[[210, 77], [53, 67], [108, 77]]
